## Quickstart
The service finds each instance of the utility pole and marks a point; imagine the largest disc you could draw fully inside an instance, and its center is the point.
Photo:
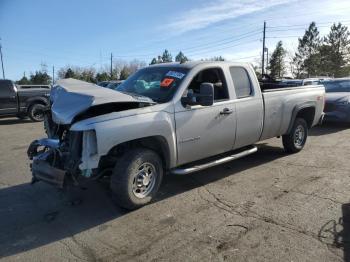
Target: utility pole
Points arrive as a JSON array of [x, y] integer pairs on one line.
[[267, 56], [53, 74], [111, 66], [2, 62], [263, 52]]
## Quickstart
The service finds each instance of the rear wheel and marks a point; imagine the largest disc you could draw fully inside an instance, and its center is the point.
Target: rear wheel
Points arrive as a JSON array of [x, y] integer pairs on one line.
[[36, 112], [136, 178], [296, 139]]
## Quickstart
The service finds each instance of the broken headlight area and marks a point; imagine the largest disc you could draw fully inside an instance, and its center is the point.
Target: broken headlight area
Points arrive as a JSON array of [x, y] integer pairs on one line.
[[56, 161]]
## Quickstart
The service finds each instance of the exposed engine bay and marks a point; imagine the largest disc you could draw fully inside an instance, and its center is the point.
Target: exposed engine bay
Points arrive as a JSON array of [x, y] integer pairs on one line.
[[67, 155]]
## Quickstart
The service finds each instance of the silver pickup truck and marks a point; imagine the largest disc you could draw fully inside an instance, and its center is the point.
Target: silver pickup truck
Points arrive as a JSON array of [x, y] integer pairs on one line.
[[168, 118]]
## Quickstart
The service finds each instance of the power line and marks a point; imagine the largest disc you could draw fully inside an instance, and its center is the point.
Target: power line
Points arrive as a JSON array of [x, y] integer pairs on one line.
[[306, 25], [227, 47]]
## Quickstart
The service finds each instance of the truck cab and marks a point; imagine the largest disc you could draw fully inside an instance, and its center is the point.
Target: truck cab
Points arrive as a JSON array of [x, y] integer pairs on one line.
[[23, 103], [8, 98]]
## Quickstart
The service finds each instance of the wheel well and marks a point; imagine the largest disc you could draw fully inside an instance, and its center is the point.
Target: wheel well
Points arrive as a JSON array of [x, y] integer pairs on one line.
[[155, 143], [35, 102], [308, 114]]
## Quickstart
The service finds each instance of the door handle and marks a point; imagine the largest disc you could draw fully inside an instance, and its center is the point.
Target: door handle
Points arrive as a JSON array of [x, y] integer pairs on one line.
[[226, 111]]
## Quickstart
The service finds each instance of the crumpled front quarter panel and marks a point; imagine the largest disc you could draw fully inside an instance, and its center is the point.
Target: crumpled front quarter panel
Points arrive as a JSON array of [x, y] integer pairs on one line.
[[116, 131]]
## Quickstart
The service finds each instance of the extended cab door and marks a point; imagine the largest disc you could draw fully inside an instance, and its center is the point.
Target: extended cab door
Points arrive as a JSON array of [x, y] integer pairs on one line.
[[204, 131], [249, 106], [8, 98]]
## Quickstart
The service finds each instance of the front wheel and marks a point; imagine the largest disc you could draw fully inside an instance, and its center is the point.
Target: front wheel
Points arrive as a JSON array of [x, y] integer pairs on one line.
[[296, 139], [136, 178], [36, 112]]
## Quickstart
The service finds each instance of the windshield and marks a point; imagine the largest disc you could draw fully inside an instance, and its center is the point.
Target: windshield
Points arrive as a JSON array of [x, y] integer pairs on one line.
[[157, 83], [337, 86]]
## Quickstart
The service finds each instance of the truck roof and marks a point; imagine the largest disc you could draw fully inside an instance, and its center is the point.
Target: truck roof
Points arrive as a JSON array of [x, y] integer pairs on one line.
[[192, 64]]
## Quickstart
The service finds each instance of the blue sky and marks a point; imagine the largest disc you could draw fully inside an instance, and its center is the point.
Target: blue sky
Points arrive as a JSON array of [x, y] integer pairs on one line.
[[84, 33]]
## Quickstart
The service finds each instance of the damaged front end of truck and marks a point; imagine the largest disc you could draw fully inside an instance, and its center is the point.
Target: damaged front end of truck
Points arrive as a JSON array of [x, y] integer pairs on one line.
[[69, 156]]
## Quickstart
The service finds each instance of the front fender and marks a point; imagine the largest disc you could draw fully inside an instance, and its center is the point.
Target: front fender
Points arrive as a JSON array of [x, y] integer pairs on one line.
[[113, 132]]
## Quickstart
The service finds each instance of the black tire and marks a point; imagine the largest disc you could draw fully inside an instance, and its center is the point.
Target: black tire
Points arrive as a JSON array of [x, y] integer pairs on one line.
[[36, 112], [128, 179], [296, 139]]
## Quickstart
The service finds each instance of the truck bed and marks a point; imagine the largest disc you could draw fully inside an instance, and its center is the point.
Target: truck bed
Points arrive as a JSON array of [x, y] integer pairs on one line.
[[280, 103]]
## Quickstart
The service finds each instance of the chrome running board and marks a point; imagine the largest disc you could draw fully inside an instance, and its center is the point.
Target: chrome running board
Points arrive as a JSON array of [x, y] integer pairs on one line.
[[198, 167]]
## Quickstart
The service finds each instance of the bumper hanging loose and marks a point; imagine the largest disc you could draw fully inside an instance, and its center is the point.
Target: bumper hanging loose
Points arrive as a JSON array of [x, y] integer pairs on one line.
[[45, 155]]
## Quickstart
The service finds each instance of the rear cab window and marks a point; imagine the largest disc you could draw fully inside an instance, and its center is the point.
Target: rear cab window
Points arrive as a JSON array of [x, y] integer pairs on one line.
[[241, 81]]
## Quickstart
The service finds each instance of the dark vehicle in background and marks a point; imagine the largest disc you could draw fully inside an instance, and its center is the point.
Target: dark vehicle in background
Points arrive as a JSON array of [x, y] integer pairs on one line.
[[114, 84], [23, 102], [314, 81], [337, 106], [268, 83], [103, 83]]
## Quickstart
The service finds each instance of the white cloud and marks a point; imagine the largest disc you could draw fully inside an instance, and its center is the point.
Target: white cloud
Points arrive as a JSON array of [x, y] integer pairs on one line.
[[217, 11]]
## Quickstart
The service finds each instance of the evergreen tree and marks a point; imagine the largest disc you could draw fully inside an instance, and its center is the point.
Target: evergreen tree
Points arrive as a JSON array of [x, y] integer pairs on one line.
[[166, 57], [69, 73], [40, 78], [181, 58], [23, 81], [277, 64], [154, 61], [337, 52], [307, 57], [217, 58]]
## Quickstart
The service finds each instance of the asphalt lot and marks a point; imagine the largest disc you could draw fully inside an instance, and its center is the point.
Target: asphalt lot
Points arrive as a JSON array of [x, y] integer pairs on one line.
[[266, 207]]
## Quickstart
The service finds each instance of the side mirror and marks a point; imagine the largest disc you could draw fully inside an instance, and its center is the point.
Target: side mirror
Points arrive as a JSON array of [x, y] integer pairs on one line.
[[206, 96]]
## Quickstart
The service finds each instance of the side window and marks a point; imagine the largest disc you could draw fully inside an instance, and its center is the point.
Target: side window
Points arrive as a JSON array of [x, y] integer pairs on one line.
[[241, 81], [214, 76], [6, 88]]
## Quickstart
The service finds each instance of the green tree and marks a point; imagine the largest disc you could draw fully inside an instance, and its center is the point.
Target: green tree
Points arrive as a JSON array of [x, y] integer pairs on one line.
[[102, 77], [40, 78], [23, 81], [337, 52], [124, 73], [217, 58], [277, 64], [154, 61], [88, 75], [306, 59], [69, 73], [167, 57], [181, 58]]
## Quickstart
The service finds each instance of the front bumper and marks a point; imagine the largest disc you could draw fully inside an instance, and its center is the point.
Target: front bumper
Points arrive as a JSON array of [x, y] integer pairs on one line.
[[46, 156]]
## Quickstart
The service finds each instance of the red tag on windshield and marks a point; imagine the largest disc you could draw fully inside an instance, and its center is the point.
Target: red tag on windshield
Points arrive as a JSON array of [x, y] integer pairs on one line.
[[166, 82]]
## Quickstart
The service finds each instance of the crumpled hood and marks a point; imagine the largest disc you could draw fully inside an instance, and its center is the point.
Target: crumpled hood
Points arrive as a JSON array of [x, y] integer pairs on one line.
[[70, 97], [337, 96]]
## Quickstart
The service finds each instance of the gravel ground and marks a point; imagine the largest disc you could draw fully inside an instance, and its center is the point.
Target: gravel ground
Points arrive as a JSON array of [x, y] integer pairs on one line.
[[266, 207]]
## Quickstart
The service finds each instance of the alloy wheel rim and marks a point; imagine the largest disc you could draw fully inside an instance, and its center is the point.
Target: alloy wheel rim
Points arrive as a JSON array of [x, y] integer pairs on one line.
[[299, 136], [144, 180]]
